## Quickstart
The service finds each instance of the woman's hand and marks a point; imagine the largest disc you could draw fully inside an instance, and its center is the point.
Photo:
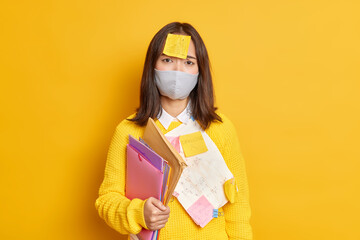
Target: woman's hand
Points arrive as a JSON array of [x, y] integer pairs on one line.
[[155, 213]]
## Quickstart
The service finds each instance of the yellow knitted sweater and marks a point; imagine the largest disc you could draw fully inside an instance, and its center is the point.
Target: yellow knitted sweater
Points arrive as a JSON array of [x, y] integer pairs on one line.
[[126, 216]]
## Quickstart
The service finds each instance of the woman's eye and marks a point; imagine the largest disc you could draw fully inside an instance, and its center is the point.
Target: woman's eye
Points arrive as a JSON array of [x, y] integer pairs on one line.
[[189, 62], [167, 60]]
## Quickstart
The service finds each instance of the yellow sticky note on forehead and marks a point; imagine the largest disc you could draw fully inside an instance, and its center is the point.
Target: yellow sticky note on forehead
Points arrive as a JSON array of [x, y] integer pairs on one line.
[[193, 144], [177, 45]]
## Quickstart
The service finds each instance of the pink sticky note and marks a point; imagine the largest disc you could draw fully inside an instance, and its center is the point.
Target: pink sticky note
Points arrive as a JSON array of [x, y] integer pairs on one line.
[[201, 211], [175, 141]]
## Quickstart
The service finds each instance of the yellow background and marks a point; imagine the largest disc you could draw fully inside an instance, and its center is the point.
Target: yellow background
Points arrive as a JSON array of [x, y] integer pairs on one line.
[[286, 73]]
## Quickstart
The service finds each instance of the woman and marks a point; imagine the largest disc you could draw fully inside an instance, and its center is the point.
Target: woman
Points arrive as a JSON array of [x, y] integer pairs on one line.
[[191, 101]]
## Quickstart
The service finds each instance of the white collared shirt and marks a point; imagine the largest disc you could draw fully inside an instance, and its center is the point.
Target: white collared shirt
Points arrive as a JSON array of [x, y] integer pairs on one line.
[[165, 119]]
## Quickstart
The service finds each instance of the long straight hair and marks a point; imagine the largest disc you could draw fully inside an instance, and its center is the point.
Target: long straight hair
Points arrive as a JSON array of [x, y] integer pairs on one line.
[[201, 97]]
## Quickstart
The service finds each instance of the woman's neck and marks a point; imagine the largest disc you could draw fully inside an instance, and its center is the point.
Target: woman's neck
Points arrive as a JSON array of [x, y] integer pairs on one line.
[[173, 107]]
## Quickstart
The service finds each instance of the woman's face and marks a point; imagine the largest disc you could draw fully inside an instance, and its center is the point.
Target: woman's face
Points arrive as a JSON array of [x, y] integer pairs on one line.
[[188, 65]]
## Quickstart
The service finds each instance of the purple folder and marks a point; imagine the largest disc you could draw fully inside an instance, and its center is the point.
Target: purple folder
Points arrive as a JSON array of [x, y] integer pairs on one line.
[[153, 157]]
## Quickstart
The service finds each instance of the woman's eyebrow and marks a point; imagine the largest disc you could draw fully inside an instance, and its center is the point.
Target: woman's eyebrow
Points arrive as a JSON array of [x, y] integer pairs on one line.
[[191, 57], [188, 56]]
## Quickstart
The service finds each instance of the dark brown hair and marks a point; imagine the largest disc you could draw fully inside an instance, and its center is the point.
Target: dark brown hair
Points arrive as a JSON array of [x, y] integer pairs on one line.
[[201, 97]]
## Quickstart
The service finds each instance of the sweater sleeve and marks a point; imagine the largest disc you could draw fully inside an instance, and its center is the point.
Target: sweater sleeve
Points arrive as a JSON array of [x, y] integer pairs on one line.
[[124, 215], [237, 214]]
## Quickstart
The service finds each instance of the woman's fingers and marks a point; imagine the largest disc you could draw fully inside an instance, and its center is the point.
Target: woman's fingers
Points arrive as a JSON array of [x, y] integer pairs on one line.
[[156, 226], [165, 212], [160, 218], [155, 213], [157, 203], [162, 222]]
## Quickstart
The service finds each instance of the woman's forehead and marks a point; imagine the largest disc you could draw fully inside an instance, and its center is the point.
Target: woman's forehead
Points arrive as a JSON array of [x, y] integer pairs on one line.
[[192, 50]]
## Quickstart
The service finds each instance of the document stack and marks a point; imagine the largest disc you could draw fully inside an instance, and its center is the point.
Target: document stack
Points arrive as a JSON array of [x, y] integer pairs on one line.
[[153, 169]]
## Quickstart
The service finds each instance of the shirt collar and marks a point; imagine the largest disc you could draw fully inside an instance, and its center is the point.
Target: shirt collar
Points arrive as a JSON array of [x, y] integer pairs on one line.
[[165, 118]]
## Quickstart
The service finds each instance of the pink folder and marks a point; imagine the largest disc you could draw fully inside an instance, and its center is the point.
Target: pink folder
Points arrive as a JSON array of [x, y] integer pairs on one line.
[[143, 180]]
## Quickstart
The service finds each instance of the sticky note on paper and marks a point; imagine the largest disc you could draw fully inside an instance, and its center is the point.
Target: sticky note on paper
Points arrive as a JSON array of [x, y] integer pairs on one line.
[[175, 142], [201, 211], [177, 45], [193, 144]]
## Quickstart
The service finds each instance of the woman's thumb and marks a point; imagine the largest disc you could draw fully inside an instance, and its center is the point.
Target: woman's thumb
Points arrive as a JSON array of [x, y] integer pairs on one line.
[[158, 204]]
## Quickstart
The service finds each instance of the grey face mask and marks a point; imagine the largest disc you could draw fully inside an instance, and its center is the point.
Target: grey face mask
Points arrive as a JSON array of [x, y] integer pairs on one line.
[[175, 84]]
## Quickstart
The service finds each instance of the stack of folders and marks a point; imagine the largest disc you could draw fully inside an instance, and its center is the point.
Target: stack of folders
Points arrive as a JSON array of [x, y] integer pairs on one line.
[[153, 169]]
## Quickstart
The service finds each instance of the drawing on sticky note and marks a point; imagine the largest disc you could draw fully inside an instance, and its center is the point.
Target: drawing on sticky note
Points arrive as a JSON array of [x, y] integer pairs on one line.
[[177, 45], [193, 144]]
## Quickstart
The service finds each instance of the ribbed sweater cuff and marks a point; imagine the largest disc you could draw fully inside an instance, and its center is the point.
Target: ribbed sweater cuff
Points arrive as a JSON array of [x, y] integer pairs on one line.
[[136, 212]]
